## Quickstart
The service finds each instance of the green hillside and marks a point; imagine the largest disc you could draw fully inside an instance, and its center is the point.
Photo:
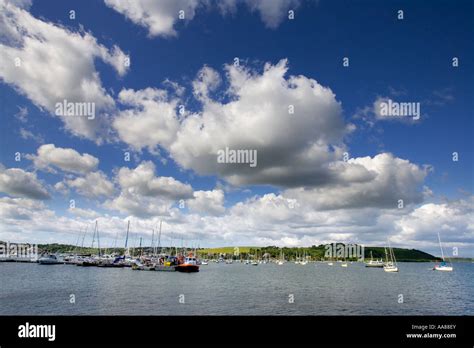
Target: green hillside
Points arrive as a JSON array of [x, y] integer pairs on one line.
[[313, 253], [317, 253]]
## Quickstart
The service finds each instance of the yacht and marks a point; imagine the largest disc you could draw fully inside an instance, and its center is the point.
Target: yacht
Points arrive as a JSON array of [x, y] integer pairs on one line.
[[49, 260], [374, 263], [443, 266], [391, 262]]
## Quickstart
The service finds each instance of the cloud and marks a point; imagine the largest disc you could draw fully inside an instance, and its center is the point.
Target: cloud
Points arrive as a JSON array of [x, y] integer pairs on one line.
[[301, 151], [293, 149], [160, 17], [144, 195], [207, 80], [49, 157], [207, 202], [22, 114], [47, 52], [392, 179], [151, 121], [454, 220], [19, 209], [142, 181], [273, 12], [31, 221], [271, 219], [17, 182], [84, 213], [93, 185], [26, 134]]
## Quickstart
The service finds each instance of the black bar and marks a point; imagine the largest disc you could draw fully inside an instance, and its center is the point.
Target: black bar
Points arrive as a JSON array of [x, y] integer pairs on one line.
[[332, 330]]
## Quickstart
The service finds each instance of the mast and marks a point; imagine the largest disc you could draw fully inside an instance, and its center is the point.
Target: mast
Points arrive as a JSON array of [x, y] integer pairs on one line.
[[159, 236], [439, 239], [153, 242], [115, 240], [392, 253], [93, 236], [126, 251], [84, 236], [77, 242], [98, 239], [393, 257]]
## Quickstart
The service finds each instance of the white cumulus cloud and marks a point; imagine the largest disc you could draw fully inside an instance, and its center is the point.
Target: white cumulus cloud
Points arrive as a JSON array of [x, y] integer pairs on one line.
[[161, 17], [144, 194], [60, 59], [207, 202], [150, 121], [49, 157], [17, 182]]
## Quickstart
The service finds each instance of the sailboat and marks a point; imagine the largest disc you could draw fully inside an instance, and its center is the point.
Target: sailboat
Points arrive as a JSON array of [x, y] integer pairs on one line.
[[92, 260], [282, 258], [442, 266], [390, 265], [255, 261], [304, 260], [374, 263], [297, 260]]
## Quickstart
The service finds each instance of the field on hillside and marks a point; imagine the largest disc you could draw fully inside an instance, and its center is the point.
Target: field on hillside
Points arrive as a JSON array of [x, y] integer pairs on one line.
[[225, 250]]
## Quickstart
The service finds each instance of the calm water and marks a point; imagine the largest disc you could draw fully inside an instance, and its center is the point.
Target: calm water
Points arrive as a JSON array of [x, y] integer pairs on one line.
[[237, 289]]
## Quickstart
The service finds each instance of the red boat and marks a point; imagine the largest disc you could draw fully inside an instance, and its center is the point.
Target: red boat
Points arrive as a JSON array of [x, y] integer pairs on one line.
[[189, 265]]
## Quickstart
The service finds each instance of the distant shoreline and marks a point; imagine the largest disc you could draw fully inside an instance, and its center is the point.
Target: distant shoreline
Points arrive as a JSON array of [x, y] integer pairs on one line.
[[314, 253]]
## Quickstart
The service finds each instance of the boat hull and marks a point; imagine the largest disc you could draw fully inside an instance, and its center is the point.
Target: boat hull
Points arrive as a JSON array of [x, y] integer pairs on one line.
[[443, 269], [86, 264], [390, 269], [187, 268], [111, 265], [47, 262], [374, 265]]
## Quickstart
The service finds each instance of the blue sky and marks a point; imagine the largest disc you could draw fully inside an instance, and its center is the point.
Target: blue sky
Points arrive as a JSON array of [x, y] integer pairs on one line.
[[407, 60]]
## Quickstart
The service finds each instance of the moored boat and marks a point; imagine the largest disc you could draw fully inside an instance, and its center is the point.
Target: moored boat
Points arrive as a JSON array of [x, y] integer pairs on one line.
[[374, 263], [87, 262], [391, 262], [443, 266], [49, 260], [188, 266]]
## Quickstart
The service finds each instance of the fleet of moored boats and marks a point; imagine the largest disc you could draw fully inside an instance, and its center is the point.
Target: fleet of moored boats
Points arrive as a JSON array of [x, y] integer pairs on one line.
[[186, 261]]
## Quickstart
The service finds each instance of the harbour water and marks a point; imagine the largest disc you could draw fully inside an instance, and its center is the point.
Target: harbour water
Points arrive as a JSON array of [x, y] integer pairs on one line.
[[237, 289]]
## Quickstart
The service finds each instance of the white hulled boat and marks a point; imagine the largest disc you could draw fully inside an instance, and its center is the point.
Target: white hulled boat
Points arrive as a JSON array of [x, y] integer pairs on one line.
[[391, 262], [374, 263], [443, 266], [50, 259]]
